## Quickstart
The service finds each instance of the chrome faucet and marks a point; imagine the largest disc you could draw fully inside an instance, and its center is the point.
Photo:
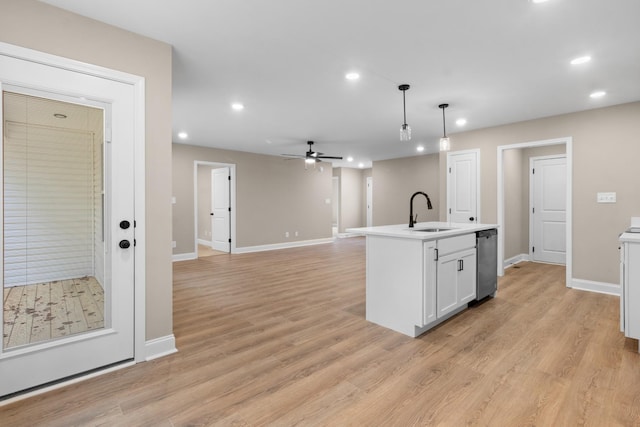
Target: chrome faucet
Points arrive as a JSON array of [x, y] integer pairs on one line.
[[411, 218]]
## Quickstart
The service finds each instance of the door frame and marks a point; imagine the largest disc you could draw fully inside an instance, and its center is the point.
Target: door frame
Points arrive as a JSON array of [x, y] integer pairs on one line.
[[369, 201], [475, 151], [232, 196], [138, 85], [532, 196], [568, 141]]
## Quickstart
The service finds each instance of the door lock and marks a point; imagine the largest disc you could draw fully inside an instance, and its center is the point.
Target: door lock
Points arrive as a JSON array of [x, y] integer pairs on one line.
[[125, 224], [124, 244]]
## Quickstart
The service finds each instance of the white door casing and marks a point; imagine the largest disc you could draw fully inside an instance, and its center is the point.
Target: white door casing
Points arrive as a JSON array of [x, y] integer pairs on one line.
[[122, 94], [547, 194], [369, 201], [463, 186], [220, 209]]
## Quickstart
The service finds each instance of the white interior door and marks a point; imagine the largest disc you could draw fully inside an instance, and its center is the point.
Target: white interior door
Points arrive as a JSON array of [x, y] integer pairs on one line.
[[220, 209], [369, 201], [68, 219], [547, 227], [463, 186]]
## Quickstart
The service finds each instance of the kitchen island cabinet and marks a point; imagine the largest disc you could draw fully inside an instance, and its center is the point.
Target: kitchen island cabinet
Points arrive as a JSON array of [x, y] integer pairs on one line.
[[416, 279], [630, 285]]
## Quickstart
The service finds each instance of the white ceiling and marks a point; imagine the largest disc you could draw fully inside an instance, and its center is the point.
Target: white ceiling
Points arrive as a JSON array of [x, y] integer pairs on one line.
[[493, 61]]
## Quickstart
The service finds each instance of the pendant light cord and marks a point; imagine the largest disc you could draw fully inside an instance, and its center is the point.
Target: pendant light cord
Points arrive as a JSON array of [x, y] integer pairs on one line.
[[444, 124], [404, 108]]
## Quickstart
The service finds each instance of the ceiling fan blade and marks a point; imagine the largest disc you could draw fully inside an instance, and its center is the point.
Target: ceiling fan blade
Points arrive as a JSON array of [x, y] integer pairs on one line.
[[297, 156], [330, 157]]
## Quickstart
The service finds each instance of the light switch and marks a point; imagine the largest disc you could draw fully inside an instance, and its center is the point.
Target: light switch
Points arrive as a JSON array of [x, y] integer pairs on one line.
[[606, 198], [173, 200]]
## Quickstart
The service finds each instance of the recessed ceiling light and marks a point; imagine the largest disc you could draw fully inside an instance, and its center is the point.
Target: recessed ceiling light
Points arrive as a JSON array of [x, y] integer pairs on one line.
[[461, 122], [598, 94], [580, 60], [420, 148], [538, 1], [349, 159], [360, 165], [60, 116], [183, 135], [352, 76], [237, 106]]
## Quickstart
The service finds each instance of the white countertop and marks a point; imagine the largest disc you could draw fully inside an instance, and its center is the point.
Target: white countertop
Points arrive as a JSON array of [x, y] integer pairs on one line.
[[403, 230], [630, 237]]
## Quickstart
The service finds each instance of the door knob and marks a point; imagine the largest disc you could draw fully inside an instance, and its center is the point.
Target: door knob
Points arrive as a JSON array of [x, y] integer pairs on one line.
[[471, 218], [124, 244]]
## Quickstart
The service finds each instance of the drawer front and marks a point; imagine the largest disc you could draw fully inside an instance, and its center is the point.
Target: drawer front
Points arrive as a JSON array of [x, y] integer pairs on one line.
[[457, 243]]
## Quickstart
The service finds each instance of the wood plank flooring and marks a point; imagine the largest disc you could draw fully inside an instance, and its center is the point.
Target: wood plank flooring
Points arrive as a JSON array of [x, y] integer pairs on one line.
[[40, 312], [279, 338]]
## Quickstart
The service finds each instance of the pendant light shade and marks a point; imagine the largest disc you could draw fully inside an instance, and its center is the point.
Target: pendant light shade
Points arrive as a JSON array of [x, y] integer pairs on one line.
[[445, 144], [405, 129]]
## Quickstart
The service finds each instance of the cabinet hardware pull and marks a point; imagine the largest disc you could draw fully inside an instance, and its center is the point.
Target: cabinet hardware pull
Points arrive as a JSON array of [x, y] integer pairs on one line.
[[436, 253]]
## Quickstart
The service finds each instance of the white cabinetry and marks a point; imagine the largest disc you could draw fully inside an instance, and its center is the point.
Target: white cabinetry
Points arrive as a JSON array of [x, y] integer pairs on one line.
[[456, 273], [630, 278], [412, 285]]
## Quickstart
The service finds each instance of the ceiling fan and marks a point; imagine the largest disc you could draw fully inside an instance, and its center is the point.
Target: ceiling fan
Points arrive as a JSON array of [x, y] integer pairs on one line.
[[312, 156]]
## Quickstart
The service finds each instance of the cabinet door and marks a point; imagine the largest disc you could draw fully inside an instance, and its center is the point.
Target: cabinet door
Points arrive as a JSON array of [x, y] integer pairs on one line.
[[447, 284], [466, 276], [429, 284]]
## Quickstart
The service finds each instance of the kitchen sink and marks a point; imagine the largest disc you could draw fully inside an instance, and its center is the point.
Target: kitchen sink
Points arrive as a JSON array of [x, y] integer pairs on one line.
[[432, 229]]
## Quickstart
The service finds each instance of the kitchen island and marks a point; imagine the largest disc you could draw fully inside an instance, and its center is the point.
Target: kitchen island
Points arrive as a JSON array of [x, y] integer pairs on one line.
[[418, 277]]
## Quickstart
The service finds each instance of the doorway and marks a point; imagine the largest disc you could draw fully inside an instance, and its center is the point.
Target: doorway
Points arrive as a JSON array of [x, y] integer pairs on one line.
[[68, 241], [503, 167], [208, 202]]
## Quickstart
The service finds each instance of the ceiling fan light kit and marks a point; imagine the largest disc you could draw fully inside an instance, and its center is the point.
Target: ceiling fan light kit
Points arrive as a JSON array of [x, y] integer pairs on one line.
[[312, 157], [405, 129]]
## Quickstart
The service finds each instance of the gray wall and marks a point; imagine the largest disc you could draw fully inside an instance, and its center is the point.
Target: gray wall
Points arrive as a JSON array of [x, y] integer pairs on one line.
[[273, 196], [606, 146], [394, 181], [36, 25]]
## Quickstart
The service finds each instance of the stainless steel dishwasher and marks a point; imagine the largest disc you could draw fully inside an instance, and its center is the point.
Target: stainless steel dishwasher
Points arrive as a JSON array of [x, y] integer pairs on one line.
[[487, 255]]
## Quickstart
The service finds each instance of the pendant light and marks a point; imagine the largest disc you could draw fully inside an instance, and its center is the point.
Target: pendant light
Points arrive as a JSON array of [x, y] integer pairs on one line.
[[405, 129], [445, 144]]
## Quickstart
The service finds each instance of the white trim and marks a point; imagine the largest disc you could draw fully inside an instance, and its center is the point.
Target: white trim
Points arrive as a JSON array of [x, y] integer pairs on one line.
[[568, 141], [599, 287], [59, 385], [515, 260], [184, 257], [287, 245], [347, 235], [204, 242], [160, 347], [232, 217], [475, 151]]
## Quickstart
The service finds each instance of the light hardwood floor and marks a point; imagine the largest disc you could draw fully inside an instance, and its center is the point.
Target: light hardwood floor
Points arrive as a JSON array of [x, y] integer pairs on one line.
[[39, 312], [279, 338]]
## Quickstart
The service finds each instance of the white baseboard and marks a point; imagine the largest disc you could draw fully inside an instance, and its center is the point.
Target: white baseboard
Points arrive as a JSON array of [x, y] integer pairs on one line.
[[599, 287], [347, 235], [515, 260], [286, 245], [204, 242], [160, 347], [184, 257]]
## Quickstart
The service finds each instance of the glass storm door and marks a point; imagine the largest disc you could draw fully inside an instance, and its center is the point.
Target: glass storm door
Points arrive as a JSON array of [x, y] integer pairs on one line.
[[68, 228]]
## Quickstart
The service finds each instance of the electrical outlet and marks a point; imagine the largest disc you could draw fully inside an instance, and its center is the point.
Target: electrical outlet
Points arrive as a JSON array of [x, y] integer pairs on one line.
[[286, 234], [296, 234], [606, 197], [173, 244]]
